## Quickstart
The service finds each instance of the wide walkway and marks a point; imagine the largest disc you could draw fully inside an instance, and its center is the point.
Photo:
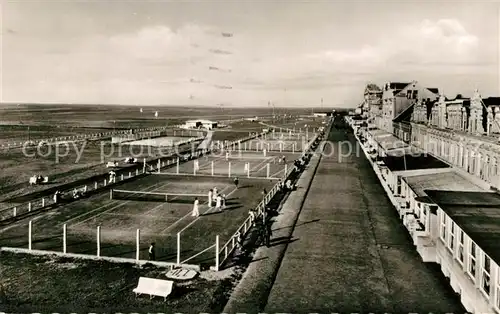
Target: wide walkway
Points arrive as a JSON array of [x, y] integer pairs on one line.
[[351, 253]]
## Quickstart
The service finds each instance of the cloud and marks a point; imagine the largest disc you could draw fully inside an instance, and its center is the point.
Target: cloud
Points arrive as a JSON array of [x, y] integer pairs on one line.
[[160, 64]]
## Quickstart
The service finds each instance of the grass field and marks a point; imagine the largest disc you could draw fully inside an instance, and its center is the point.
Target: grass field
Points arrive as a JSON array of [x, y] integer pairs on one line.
[[44, 284]]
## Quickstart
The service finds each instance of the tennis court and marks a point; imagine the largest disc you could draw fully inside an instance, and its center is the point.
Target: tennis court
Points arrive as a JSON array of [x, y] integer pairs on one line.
[[119, 217], [248, 164]]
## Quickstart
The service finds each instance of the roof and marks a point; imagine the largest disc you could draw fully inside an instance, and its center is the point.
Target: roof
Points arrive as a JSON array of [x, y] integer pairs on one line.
[[201, 121], [389, 141], [434, 90], [405, 115], [373, 88], [443, 181], [476, 213], [407, 150], [412, 162], [491, 101], [397, 85]]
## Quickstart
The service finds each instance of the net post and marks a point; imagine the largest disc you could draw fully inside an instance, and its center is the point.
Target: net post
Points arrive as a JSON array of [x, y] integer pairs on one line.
[[64, 238], [137, 244], [217, 253], [248, 170], [177, 168], [229, 169], [268, 170], [212, 167], [30, 231], [98, 241], [178, 248], [111, 194]]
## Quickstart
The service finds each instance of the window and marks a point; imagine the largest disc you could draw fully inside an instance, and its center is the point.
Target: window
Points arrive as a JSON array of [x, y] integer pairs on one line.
[[442, 233], [472, 261], [485, 274], [451, 236], [460, 251], [415, 94]]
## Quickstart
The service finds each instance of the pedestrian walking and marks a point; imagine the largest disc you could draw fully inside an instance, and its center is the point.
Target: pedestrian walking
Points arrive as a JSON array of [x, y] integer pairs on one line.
[[151, 252], [236, 182], [196, 211], [268, 233]]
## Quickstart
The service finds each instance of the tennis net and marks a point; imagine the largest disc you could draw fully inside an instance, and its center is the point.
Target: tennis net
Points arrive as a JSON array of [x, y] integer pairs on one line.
[[156, 196]]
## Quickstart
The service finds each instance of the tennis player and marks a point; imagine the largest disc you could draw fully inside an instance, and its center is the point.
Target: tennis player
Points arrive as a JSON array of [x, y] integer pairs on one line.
[[218, 203], [196, 211], [210, 198]]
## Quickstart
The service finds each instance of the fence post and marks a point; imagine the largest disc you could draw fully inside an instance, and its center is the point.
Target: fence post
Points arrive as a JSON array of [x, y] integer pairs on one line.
[[212, 167], [130, 174], [178, 248], [137, 244], [95, 185], [64, 238], [122, 177], [293, 148], [43, 201], [229, 169], [111, 194], [98, 240], [29, 206], [248, 170], [15, 211], [217, 253], [159, 165], [30, 229], [268, 170], [177, 170], [104, 182]]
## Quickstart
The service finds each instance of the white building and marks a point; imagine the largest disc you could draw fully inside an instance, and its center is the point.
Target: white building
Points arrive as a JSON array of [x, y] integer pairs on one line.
[[200, 124]]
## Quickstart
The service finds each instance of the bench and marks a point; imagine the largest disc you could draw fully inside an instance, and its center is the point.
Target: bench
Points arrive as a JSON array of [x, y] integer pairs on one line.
[[154, 287]]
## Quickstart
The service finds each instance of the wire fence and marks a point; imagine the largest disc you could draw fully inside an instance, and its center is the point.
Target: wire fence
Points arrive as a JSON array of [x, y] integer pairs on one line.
[[230, 246], [73, 194]]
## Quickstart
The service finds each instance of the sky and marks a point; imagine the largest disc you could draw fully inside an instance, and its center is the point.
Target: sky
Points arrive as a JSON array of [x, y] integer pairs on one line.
[[289, 53]]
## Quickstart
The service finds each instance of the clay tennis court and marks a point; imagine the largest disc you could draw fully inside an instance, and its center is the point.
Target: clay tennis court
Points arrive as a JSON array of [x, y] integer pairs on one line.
[[158, 221], [253, 164]]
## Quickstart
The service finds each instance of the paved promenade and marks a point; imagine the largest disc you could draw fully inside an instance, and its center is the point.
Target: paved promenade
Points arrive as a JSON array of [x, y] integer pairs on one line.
[[348, 252], [351, 253]]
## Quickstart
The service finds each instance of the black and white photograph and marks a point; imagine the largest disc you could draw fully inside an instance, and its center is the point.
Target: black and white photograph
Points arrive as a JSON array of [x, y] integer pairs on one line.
[[250, 156]]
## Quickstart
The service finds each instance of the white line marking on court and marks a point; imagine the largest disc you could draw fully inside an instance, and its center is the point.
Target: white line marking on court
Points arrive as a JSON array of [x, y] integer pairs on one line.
[[206, 212], [109, 209], [190, 213]]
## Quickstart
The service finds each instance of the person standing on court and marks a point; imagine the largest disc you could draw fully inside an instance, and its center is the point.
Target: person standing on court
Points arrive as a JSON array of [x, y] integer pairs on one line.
[[151, 252], [236, 182], [210, 198], [215, 193], [196, 211], [218, 203]]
